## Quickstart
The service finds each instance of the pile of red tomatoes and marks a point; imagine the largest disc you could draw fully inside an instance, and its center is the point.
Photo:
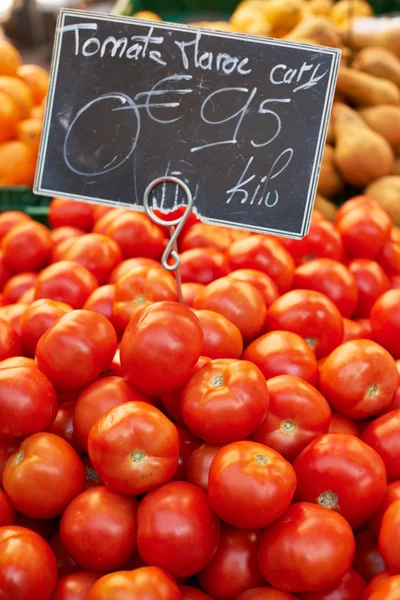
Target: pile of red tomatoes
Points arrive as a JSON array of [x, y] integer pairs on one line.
[[244, 445]]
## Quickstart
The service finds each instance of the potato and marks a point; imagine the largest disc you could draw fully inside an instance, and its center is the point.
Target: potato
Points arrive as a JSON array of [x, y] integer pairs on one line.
[[378, 62], [249, 18], [396, 166], [366, 90], [386, 191], [384, 34], [320, 29], [344, 10], [330, 182], [385, 120]]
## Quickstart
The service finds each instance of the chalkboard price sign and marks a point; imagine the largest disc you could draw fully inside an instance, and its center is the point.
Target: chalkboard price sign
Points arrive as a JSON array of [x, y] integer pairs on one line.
[[241, 120]]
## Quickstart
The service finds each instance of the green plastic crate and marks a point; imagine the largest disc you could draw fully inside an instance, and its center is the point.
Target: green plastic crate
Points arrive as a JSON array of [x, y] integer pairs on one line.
[[22, 198]]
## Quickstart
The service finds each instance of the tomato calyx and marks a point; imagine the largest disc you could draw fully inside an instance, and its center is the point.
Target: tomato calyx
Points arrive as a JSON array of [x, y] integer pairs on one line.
[[288, 426], [217, 381], [140, 299], [19, 457], [91, 474], [261, 460], [372, 390], [329, 500], [138, 455], [312, 342]]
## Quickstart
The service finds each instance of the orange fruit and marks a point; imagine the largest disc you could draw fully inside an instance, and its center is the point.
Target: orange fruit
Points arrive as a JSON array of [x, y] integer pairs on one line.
[[29, 131], [10, 58], [19, 93], [17, 163], [37, 79], [37, 113], [148, 15], [8, 118]]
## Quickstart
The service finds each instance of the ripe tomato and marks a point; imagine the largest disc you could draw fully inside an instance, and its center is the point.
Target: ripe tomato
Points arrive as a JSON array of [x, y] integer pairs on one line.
[[28, 568], [17, 285], [353, 330], [27, 297], [75, 586], [312, 316], [389, 255], [65, 281], [186, 510], [202, 265], [72, 213], [250, 485], [264, 254], [395, 402], [134, 448], [7, 512], [261, 281], [11, 218], [7, 447], [240, 302], [265, 593], [101, 225], [187, 444], [392, 494], [358, 379], [146, 582], [297, 414], [385, 321], [321, 241], [101, 301], [368, 561], [27, 247], [283, 353], [389, 535], [28, 402], [389, 590], [10, 341], [225, 400], [233, 568], [5, 271], [99, 210], [53, 466], [160, 347], [65, 232], [354, 484], [222, 339], [376, 583], [17, 361], [63, 425], [38, 318], [59, 249], [131, 263], [191, 593], [295, 535], [361, 201], [350, 587], [199, 463], [136, 235], [98, 253], [98, 529], [12, 313], [76, 349], [190, 291], [340, 424], [202, 235], [364, 231], [371, 281], [383, 435]]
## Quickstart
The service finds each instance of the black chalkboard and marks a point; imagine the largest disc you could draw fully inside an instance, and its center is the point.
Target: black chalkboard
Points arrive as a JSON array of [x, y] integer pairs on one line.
[[241, 120]]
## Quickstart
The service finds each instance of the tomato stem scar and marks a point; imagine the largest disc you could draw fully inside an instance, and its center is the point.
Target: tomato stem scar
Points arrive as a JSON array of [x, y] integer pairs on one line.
[[372, 390], [261, 460], [328, 499], [288, 426], [18, 458], [138, 456], [217, 381], [312, 342]]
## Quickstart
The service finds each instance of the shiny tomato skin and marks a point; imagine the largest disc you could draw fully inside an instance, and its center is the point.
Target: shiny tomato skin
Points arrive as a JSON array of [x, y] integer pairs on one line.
[[376, 583], [17, 285], [17, 361], [76, 349], [385, 321], [225, 400], [340, 424], [395, 402], [368, 561], [371, 281], [99, 210], [98, 529], [27, 247], [5, 271], [364, 231], [186, 509], [190, 291], [75, 586], [160, 347], [250, 485], [27, 297], [388, 536], [311, 315], [131, 263], [97, 399], [136, 235], [265, 593], [63, 425], [11, 218], [261, 281], [134, 448], [146, 583], [101, 225], [389, 590], [389, 255], [12, 314], [65, 232], [354, 484], [27, 565], [7, 447], [285, 543], [54, 467], [202, 265], [297, 414], [233, 569], [67, 282], [283, 353], [353, 330], [190, 593], [322, 241], [101, 301], [392, 494], [239, 301], [359, 379], [28, 402], [202, 235], [360, 201], [7, 511], [222, 339], [10, 341], [350, 587], [383, 435], [187, 445], [38, 318], [71, 213], [199, 463], [98, 253]]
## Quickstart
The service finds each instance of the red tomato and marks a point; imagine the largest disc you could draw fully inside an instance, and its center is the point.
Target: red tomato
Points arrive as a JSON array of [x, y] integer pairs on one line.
[[63, 425], [139, 288], [146, 582], [134, 448], [10, 341], [364, 231], [101, 225], [265, 593], [250, 485], [222, 339], [187, 444], [160, 347], [358, 379], [375, 584], [72, 213], [240, 302], [233, 568], [371, 281], [186, 510], [389, 590], [190, 291], [131, 263], [28, 402], [202, 235], [5, 271], [297, 414], [59, 249], [65, 281], [98, 529], [97, 399], [341, 424], [350, 587], [65, 564], [12, 313], [367, 560], [27, 565], [321, 241], [385, 321], [389, 255], [176, 214], [92, 476], [99, 210], [354, 484], [38, 318], [75, 586], [225, 400], [312, 316], [389, 535], [361, 201], [27, 297], [199, 463], [17, 285], [366, 324], [98, 253], [202, 265], [264, 254], [383, 435], [27, 247], [303, 528], [17, 361], [7, 447], [76, 349], [332, 278], [191, 593], [136, 235], [65, 232], [353, 330], [54, 468], [261, 281], [395, 281], [392, 494], [283, 353], [7, 512], [101, 301], [11, 218]]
